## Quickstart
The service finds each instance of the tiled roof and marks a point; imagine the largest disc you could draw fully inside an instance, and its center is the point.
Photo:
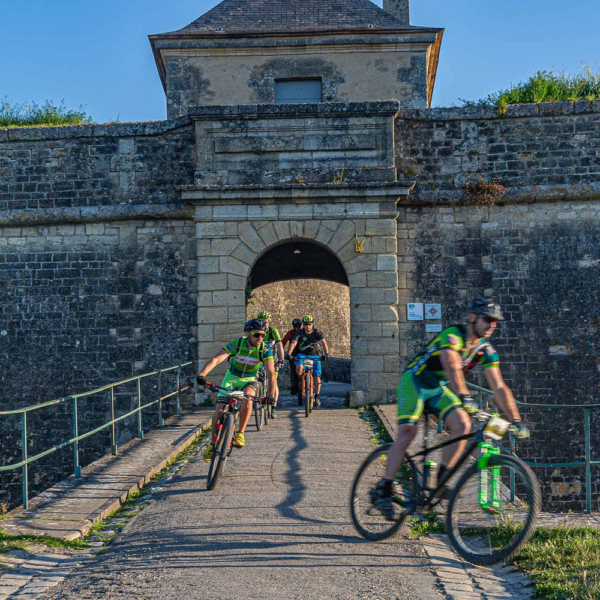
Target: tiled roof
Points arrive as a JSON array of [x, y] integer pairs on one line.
[[290, 16]]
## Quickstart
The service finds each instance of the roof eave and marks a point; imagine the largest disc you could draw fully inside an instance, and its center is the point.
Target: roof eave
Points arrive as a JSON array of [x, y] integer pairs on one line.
[[434, 58], [153, 38]]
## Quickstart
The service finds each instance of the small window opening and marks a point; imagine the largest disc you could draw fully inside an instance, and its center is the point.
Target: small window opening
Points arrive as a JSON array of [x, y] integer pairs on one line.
[[297, 91]]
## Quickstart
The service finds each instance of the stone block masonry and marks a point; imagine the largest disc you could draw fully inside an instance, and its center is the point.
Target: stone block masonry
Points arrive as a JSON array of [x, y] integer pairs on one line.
[[535, 251]]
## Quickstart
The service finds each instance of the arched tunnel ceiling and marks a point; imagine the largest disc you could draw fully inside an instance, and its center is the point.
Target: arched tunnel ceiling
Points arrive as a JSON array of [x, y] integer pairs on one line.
[[297, 260]]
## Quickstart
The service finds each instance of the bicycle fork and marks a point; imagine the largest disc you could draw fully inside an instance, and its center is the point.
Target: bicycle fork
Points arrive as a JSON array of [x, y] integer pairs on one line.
[[489, 478]]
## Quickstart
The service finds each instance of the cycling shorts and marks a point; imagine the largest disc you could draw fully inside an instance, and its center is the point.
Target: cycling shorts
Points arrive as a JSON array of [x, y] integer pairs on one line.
[[317, 369], [412, 398], [233, 382]]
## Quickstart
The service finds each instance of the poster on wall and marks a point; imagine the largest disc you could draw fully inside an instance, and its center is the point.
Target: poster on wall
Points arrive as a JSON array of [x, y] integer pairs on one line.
[[414, 311]]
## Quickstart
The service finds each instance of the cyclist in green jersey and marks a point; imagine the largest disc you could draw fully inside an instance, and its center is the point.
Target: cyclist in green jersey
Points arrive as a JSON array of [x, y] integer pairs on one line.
[[245, 354], [273, 340], [435, 378]]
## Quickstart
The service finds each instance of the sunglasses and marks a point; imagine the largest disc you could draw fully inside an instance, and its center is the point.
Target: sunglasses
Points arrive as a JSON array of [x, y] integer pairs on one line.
[[489, 320], [258, 335], [297, 326]]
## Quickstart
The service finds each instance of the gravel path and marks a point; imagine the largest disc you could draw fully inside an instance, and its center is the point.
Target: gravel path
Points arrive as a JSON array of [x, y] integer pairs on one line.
[[277, 526]]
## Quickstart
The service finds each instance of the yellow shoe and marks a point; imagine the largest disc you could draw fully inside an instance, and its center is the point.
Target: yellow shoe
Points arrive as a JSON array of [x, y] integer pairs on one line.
[[240, 440], [208, 453]]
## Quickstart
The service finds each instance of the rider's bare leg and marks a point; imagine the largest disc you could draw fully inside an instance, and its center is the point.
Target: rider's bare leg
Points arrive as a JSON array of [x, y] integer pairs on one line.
[[406, 434], [317, 381], [459, 423], [246, 411]]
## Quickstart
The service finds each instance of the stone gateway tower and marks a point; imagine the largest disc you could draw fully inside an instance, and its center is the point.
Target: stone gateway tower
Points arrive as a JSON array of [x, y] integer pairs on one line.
[[295, 150]]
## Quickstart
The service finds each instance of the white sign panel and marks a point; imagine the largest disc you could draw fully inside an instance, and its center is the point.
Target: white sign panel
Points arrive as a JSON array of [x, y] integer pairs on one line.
[[433, 327], [414, 311], [433, 311]]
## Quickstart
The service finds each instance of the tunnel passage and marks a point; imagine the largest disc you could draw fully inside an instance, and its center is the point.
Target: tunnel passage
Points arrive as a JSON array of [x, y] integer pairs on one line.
[[297, 260]]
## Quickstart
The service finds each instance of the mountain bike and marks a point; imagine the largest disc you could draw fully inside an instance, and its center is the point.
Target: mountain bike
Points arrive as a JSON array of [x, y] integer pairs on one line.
[[487, 521], [305, 384], [223, 442]]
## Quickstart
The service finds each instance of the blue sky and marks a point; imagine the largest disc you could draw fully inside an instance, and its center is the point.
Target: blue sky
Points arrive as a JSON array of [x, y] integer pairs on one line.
[[97, 54]]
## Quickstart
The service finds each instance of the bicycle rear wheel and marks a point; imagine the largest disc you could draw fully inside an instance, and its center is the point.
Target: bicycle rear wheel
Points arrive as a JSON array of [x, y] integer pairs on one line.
[[486, 522], [366, 517], [217, 464], [267, 413]]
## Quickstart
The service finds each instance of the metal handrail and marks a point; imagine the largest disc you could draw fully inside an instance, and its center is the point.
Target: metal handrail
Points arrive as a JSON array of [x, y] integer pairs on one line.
[[587, 463], [27, 460]]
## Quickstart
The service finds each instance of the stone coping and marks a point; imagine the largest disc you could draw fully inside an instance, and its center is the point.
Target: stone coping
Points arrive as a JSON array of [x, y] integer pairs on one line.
[[308, 109], [325, 109], [92, 214], [463, 113], [309, 191]]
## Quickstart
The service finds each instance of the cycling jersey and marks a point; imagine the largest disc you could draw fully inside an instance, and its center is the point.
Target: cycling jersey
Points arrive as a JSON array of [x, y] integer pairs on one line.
[[244, 359], [308, 343], [427, 368], [272, 337], [288, 337]]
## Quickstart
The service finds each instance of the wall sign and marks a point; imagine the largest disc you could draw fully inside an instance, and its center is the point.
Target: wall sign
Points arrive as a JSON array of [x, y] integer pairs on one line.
[[433, 327], [414, 311], [433, 311]]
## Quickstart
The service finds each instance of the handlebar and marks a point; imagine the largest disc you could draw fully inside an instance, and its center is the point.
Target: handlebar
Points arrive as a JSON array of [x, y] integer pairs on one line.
[[217, 388]]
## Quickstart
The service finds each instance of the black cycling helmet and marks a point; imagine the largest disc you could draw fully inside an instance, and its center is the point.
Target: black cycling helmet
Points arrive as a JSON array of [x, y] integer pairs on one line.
[[296, 322], [486, 307], [308, 319], [255, 325]]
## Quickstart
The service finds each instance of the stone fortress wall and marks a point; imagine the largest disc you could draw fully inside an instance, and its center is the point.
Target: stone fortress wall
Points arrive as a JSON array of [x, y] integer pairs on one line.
[[328, 302], [98, 261]]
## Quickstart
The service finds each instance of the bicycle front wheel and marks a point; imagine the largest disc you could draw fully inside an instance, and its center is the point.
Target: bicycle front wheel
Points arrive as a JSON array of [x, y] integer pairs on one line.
[[259, 410], [217, 464], [306, 388], [492, 511], [366, 517]]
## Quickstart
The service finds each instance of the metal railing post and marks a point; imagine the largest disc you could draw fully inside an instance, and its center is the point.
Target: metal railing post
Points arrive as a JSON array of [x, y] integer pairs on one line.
[[161, 421], [24, 458], [113, 436], [76, 467], [177, 404], [512, 471], [140, 432], [588, 469]]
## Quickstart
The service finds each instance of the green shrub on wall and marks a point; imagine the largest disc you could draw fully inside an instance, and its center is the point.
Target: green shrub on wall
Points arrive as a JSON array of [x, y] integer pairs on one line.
[[546, 86], [30, 114]]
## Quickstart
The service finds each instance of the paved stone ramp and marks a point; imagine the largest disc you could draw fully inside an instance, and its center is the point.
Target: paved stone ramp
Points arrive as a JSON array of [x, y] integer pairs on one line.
[[69, 509], [276, 527]]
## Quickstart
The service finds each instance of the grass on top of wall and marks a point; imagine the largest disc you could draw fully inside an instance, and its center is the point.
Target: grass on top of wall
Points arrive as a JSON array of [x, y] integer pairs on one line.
[[30, 114], [546, 86]]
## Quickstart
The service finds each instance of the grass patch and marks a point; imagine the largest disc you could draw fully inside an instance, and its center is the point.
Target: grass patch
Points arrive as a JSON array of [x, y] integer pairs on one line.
[[546, 86], [30, 114], [9, 543], [563, 562], [379, 434], [431, 524]]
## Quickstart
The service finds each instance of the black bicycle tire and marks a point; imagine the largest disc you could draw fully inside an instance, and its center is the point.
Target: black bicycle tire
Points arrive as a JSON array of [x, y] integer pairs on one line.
[[259, 410], [311, 396], [267, 414], [221, 451], [394, 525], [306, 397], [258, 417], [534, 500]]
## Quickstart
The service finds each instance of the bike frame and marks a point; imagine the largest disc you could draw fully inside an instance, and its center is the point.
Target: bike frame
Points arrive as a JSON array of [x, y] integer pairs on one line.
[[488, 501]]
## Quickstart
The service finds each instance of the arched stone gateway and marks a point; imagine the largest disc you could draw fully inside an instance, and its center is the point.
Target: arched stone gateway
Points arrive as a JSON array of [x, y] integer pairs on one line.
[[297, 260], [337, 192]]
